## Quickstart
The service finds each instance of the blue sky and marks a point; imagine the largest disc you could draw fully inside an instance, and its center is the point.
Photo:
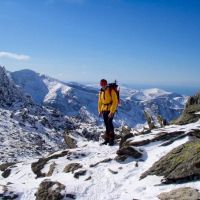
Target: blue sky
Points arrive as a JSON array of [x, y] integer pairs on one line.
[[133, 41]]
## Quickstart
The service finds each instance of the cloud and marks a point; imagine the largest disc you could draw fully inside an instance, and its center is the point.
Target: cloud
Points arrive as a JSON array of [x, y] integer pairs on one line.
[[20, 57]]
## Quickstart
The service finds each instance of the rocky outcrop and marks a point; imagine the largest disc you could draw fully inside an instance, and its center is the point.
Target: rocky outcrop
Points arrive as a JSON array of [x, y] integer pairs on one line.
[[50, 190], [39, 165], [189, 114], [185, 193], [182, 164]]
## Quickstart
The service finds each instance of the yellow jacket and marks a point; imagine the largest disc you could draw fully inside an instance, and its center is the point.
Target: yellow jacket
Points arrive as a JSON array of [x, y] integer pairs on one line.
[[108, 100]]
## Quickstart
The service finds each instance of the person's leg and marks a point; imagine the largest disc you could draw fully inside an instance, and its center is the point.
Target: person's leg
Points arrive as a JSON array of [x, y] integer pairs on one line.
[[106, 120], [111, 131]]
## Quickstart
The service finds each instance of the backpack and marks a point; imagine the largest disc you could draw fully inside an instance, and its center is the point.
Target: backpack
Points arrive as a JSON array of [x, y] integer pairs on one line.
[[114, 86]]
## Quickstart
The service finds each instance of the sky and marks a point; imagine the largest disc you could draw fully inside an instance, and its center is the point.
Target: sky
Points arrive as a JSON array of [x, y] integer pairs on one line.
[[133, 41]]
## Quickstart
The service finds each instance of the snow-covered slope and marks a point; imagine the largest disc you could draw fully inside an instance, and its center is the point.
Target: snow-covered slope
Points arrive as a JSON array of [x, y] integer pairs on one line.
[[79, 100], [103, 178]]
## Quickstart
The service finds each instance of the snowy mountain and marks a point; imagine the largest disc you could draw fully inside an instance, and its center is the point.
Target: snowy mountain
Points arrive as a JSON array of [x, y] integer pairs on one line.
[[47, 155], [27, 129], [79, 100]]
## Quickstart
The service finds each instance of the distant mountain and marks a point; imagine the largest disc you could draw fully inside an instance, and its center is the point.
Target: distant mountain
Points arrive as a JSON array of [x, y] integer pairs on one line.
[[80, 100], [25, 127]]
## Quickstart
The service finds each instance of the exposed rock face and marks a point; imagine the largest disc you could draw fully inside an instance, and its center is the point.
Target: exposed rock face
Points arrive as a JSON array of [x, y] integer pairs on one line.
[[185, 193], [191, 108], [182, 164], [50, 190]]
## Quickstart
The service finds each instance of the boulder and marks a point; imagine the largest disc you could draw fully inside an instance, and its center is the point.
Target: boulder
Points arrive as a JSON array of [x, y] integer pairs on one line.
[[131, 151], [72, 167], [180, 194], [50, 190], [6, 173], [182, 164]]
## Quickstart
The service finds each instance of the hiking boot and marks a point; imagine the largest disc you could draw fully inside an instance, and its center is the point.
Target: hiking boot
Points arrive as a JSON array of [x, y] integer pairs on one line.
[[111, 143], [104, 143]]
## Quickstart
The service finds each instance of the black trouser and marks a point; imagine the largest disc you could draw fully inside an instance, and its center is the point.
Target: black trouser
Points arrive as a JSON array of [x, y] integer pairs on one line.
[[109, 135]]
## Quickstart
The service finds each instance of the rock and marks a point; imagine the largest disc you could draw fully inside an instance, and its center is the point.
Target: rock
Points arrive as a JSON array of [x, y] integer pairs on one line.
[[170, 137], [91, 135], [70, 142], [194, 133], [51, 169], [38, 166], [185, 193], [192, 106], [80, 173], [70, 196], [4, 166], [125, 130], [163, 136], [121, 158], [112, 171], [149, 120], [72, 167], [163, 122], [50, 190], [182, 164], [6, 194], [103, 161], [88, 178], [125, 138], [6, 173], [131, 151]]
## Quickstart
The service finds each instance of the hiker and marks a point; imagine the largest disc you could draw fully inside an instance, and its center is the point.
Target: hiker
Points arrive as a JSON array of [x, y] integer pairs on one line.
[[107, 105]]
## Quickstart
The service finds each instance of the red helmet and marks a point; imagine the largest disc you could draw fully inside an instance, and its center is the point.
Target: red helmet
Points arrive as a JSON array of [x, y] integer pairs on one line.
[[103, 82]]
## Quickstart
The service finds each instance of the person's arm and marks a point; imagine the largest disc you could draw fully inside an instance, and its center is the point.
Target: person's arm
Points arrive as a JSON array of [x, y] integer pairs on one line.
[[99, 103]]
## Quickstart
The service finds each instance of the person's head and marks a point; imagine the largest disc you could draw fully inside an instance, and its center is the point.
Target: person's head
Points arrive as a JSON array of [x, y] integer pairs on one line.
[[103, 83]]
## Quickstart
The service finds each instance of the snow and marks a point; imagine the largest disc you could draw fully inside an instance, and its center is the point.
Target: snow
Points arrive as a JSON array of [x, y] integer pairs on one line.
[[104, 185], [74, 99], [20, 138]]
